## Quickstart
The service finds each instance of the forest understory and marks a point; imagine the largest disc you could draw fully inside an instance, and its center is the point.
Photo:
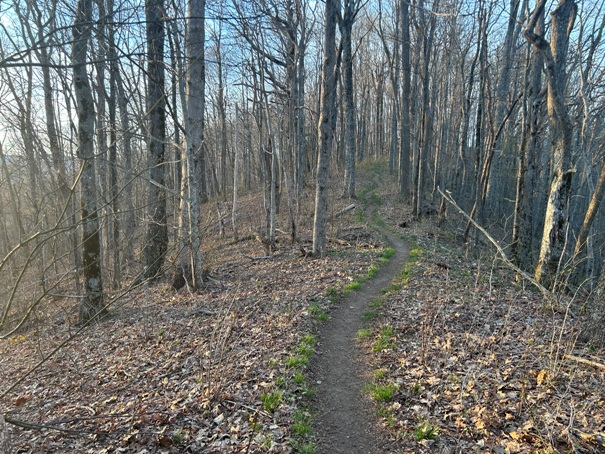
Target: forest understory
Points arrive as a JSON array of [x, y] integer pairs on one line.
[[463, 356]]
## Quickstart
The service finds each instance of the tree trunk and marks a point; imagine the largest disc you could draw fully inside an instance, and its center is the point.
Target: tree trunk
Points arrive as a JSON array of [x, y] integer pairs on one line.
[[189, 270], [91, 304], [405, 151], [523, 235], [557, 209], [325, 132], [157, 232], [346, 27]]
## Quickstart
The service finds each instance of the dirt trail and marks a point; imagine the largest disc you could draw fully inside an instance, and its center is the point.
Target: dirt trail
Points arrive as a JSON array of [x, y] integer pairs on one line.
[[346, 421]]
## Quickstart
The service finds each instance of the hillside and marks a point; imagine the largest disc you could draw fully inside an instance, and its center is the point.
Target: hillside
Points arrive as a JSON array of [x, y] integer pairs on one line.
[[457, 355]]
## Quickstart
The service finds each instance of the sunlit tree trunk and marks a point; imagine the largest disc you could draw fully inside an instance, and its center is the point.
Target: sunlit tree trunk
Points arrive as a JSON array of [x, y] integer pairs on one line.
[[190, 256], [557, 209]]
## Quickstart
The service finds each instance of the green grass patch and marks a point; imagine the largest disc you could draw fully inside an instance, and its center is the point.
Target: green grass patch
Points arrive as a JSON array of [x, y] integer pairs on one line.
[[381, 392], [368, 315], [387, 413], [355, 285], [304, 350], [309, 339], [372, 272], [375, 303], [333, 294], [364, 333], [376, 200], [385, 340], [387, 330], [271, 400], [302, 424], [388, 253], [295, 361], [316, 311], [299, 378], [306, 447], [425, 431], [416, 389], [379, 373]]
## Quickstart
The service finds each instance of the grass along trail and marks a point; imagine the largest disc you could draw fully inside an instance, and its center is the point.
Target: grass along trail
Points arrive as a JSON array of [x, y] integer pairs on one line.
[[346, 421]]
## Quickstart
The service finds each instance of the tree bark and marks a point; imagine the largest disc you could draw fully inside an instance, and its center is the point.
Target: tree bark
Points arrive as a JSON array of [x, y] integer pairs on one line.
[[189, 270], [557, 209], [157, 233], [91, 304], [405, 150], [351, 8], [523, 222], [325, 127]]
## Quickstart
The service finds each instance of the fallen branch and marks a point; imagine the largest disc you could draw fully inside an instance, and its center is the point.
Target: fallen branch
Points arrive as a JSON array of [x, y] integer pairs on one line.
[[269, 257], [528, 277], [585, 361], [343, 211]]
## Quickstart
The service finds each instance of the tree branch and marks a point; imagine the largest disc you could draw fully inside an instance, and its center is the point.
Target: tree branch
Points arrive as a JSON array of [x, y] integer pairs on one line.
[[547, 293]]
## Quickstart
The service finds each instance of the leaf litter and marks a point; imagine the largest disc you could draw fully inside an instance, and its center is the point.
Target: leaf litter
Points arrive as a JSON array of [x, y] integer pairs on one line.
[[172, 372], [478, 364], [479, 359]]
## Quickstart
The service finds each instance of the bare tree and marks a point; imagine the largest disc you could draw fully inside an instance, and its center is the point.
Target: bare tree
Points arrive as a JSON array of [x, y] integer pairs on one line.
[[189, 270], [524, 218], [157, 231], [325, 128], [91, 304], [405, 150], [557, 209], [351, 9]]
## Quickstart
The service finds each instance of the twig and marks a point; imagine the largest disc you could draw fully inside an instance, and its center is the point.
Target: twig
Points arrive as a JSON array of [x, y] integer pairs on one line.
[[585, 361]]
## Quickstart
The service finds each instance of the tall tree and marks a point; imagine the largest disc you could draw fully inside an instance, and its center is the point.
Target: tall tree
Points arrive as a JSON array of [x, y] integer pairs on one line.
[[325, 128], [557, 209], [525, 201], [405, 146], [91, 305], [190, 256], [157, 232], [351, 9]]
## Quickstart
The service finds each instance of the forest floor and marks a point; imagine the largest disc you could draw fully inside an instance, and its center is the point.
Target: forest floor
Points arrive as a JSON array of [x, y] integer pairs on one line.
[[454, 355]]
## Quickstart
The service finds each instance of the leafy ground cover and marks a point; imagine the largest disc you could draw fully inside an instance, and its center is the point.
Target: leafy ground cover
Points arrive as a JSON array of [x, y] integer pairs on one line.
[[220, 370], [463, 358], [472, 360]]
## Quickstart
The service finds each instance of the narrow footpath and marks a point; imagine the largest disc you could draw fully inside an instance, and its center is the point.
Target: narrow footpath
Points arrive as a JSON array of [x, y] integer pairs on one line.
[[346, 421]]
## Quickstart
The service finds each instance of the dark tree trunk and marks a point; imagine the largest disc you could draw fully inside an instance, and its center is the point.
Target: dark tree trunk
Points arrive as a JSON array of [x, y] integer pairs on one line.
[[157, 233], [325, 128], [91, 304]]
